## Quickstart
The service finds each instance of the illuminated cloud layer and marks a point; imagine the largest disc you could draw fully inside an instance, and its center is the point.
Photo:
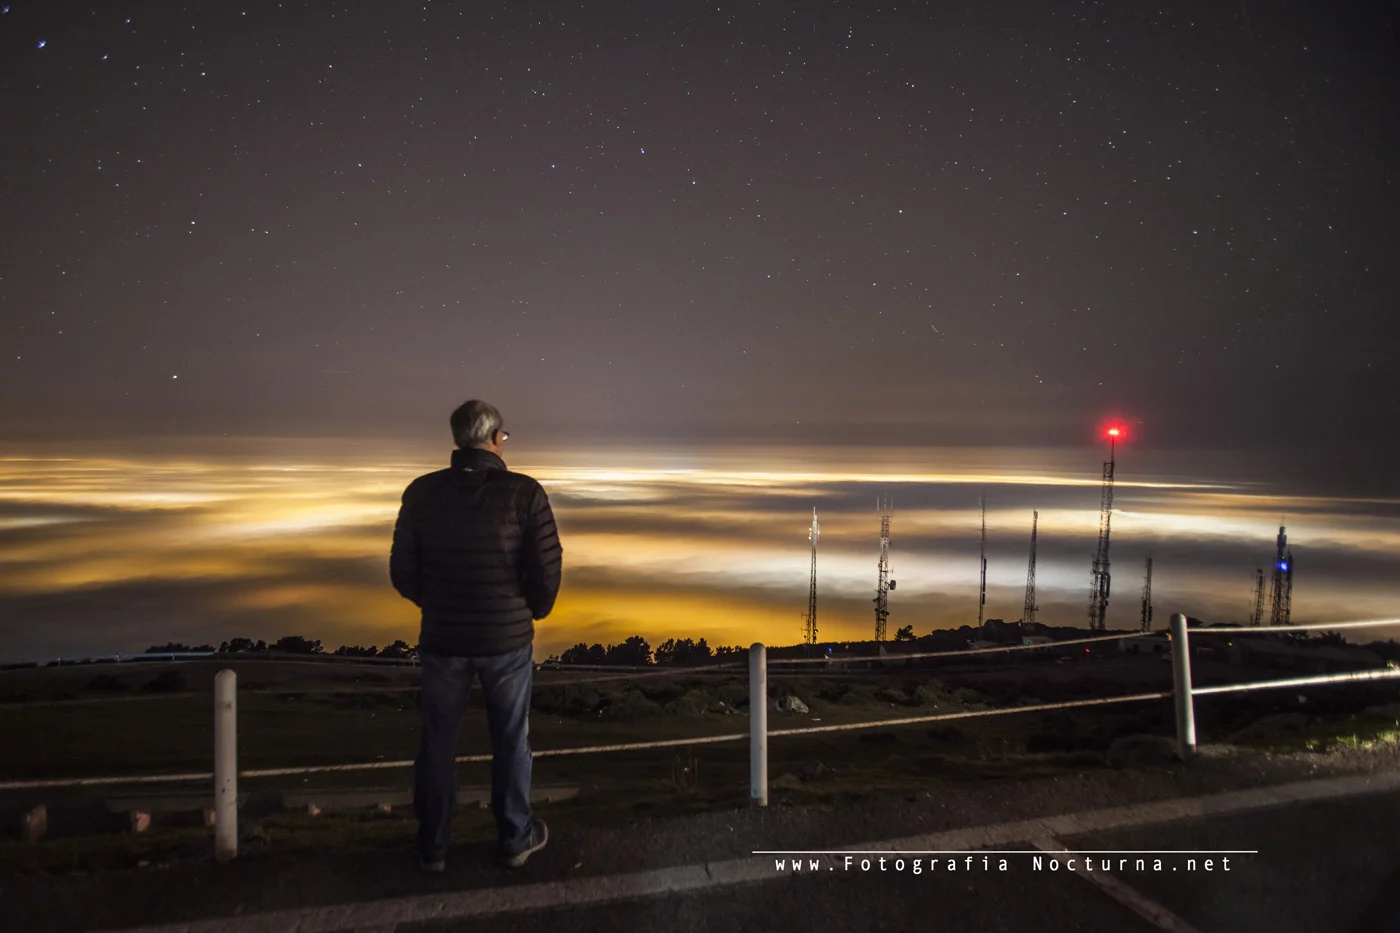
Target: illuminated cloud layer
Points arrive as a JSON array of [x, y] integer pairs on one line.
[[114, 553]]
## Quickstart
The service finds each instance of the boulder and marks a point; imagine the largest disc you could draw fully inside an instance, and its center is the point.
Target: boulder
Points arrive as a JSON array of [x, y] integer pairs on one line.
[[791, 704]]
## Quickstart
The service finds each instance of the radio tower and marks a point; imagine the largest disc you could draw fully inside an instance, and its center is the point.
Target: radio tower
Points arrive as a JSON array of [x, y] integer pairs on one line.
[[1147, 598], [809, 633], [882, 589], [1028, 613], [982, 594], [1099, 585], [1281, 593], [1258, 617]]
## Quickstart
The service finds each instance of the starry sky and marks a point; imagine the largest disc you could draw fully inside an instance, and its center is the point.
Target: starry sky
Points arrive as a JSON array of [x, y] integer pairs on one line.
[[916, 223]]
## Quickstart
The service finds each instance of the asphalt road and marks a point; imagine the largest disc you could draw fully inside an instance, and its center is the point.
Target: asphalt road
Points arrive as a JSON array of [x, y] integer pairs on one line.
[[1328, 866], [1018, 900]]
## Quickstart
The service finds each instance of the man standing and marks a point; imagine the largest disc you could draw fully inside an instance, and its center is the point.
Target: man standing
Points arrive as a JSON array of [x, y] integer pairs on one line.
[[475, 547]]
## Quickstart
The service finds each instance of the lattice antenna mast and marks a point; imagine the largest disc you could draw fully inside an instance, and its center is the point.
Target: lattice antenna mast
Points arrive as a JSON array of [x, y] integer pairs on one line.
[[809, 633], [1028, 612], [1147, 598], [1287, 615], [1099, 576], [982, 593], [1281, 592], [1258, 617], [882, 589]]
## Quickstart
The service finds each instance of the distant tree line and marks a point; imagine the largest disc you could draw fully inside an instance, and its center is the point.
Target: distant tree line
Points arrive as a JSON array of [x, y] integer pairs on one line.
[[636, 651], [398, 649], [294, 644]]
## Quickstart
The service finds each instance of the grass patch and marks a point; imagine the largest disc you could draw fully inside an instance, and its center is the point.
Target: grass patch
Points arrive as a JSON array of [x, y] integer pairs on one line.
[[1366, 730]]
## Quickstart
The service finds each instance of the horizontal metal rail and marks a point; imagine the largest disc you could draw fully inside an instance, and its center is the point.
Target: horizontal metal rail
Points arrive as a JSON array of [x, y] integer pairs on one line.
[[661, 670], [649, 670], [829, 659], [100, 781], [1309, 627], [996, 649], [1184, 692], [324, 657], [85, 660], [330, 658], [582, 750], [1385, 673], [972, 714]]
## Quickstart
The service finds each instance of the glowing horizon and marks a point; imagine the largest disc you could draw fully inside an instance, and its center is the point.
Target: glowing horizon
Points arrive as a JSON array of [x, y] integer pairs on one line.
[[122, 551]]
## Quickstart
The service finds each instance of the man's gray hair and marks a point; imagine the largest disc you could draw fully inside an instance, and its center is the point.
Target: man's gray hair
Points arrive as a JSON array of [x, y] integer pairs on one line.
[[475, 423]]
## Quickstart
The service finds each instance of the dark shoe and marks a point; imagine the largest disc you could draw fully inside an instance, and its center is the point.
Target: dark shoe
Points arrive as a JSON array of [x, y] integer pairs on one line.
[[433, 865], [539, 835]]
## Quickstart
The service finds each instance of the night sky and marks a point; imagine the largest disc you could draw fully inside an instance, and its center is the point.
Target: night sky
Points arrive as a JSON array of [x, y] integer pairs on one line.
[[928, 223]]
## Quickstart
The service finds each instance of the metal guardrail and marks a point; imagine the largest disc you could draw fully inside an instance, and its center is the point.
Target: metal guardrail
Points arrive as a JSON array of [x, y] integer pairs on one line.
[[226, 774], [994, 649], [649, 669], [120, 658], [629, 671], [325, 657], [1303, 627], [1184, 692]]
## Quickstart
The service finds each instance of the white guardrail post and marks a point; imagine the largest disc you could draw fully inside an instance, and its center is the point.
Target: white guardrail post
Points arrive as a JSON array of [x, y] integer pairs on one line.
[[758, 724], [1181, 689], [225, 766]]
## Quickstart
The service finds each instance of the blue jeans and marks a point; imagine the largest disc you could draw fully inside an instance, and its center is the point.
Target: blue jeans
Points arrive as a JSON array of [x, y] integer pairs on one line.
[[447, 682]]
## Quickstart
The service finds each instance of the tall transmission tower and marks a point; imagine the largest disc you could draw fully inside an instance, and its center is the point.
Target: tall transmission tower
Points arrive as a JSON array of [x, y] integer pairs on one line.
[[882, 589], [1147, 598], [809, 633], [1028, 612], [1099, 582], [1281, 593], [982, 593], [1257, 618]]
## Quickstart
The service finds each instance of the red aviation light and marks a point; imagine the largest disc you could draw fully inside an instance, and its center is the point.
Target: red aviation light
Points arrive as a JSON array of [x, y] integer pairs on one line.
[[1111, 431]]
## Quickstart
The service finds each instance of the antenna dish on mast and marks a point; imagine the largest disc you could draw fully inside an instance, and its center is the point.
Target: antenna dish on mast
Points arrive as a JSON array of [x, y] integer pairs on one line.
[[809, 628], [882, 588]]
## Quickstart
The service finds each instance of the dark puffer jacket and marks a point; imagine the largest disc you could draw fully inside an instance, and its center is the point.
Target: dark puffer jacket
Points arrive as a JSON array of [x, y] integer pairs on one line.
[[476, 548]]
